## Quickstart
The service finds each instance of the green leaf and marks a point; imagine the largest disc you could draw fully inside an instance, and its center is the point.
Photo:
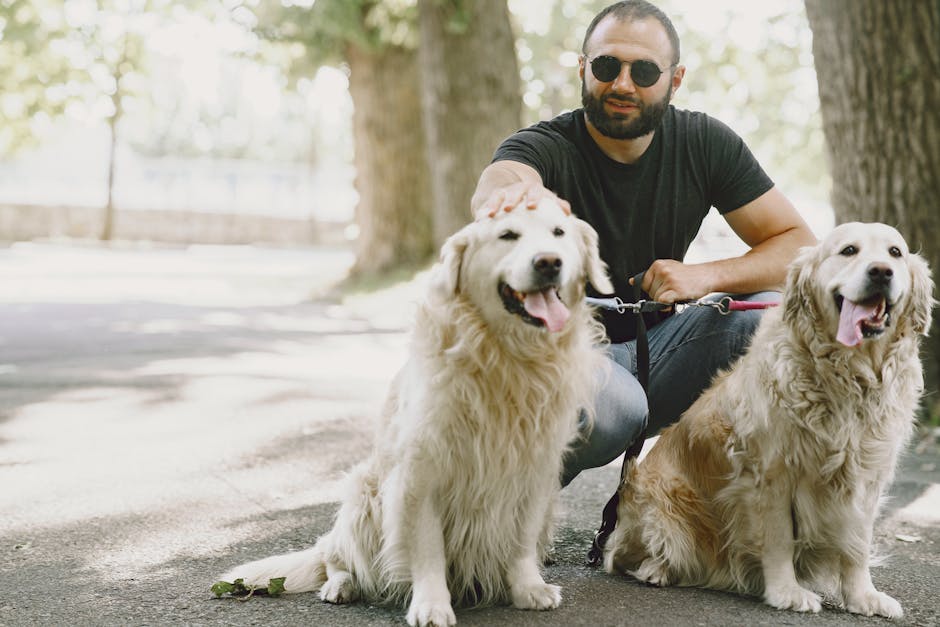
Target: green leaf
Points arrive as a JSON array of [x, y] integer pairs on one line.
[[222, 587], [276, 586]]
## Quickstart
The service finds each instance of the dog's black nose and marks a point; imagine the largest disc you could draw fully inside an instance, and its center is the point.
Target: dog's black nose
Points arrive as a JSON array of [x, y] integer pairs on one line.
[[880, 274], [547, 265]]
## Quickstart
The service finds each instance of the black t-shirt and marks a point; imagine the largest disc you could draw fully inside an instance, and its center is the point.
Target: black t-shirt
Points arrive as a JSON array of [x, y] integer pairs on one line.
[[647, 210]]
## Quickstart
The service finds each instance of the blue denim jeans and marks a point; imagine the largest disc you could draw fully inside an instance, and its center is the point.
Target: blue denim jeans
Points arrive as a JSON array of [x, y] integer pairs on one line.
[[686, 351]]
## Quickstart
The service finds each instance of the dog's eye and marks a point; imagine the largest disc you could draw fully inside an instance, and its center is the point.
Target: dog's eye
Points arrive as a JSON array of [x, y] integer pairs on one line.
[[509, 235], [894, 251], [848, 251], [558, 232]]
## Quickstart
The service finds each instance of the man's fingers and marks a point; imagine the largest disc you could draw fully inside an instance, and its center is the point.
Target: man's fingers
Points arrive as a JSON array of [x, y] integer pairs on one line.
[[506, 200]]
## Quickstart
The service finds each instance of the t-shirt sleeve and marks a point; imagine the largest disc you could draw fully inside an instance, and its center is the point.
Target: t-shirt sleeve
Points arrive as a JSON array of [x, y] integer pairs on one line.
[[735, 176], [535, 147]]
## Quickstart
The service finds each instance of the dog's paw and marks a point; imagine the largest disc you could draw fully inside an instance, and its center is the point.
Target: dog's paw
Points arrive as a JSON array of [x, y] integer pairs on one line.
[[536, 596], [653, 572], [793, 597], [339, 588], [872, 602], [431, 614]]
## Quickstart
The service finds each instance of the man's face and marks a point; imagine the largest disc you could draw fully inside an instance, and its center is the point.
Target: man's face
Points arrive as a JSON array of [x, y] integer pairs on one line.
[[640, 117], [620, 109]]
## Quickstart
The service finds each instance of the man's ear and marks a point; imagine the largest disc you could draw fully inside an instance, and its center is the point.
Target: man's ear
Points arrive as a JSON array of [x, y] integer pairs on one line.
[[677, 75]]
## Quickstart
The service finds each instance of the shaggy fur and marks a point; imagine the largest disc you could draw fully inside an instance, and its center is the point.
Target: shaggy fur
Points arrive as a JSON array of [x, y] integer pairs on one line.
[[770, 483], [459, 490]]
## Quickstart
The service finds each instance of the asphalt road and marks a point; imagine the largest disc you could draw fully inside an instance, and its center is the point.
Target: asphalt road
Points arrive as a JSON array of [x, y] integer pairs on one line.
[[165, 414]]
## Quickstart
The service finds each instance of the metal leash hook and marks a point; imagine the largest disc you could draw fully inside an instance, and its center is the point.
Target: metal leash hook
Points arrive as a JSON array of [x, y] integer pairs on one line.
[[617, 304], [725, 305]]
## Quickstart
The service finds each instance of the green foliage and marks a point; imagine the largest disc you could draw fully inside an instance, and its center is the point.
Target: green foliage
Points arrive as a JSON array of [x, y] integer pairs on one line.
[[764, 86], [55, 56], [34, 73], [548, 45], [320, 34]]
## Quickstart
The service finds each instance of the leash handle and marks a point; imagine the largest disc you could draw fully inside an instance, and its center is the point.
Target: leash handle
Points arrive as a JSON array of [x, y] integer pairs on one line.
[[727, 304]]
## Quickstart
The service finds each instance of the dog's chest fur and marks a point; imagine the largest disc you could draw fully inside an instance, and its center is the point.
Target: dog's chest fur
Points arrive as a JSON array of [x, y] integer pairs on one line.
[[482, 422], [836, 451]]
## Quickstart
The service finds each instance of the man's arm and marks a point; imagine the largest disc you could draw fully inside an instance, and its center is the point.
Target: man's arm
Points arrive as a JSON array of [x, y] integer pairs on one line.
[[505, 184], [769, 224]]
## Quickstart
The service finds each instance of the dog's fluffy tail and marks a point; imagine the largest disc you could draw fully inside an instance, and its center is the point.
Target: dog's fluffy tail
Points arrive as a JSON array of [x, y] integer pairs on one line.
[[304, 571]]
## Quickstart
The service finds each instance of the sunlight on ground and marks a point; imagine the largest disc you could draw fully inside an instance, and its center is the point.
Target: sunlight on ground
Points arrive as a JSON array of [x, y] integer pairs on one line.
[[236, 276], [923, 511]]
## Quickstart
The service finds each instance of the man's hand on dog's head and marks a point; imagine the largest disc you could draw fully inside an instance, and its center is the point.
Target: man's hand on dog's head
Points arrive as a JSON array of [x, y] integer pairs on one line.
[[524, 193]]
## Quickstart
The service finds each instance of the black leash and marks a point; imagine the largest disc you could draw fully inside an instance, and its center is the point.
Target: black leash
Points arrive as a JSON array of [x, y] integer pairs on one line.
[[609, 515]]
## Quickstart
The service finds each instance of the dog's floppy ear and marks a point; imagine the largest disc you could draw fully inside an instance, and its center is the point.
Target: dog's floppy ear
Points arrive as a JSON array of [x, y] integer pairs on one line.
[[922, 302], [595, 268], [445, 275], [798, 297]]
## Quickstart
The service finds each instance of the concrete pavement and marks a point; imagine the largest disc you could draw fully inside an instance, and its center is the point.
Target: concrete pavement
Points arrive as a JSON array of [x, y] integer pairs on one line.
[[167, 413]]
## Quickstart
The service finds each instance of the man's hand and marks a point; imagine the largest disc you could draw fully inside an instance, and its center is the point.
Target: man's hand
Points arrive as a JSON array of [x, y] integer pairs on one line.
[[509, 197], [670, 281]]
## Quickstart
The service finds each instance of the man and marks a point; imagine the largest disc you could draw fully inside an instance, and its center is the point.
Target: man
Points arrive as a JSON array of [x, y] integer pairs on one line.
[[645, 174]]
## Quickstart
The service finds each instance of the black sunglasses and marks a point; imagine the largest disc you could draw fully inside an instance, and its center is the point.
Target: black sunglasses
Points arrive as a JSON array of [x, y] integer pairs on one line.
[[606, 68]]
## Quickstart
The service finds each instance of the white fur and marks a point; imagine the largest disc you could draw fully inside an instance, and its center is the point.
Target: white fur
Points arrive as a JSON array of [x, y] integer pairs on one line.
[[770, 483], [458, 493]]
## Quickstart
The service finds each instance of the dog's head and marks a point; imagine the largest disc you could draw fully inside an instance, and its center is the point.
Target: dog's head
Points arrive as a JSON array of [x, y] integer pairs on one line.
[[526, 265], [860, 284]]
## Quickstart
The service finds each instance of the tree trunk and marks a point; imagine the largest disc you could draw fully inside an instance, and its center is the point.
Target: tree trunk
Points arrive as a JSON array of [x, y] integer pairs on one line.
[[877, 63], [393, 213], [471, 96], [107, 228]]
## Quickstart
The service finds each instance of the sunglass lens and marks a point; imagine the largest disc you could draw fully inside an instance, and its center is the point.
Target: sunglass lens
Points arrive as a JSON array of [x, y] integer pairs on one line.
[[644, 73], [605, 68]]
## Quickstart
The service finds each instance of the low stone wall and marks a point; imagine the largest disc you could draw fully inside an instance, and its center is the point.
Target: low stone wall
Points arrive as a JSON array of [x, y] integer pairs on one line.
[[30, 222]]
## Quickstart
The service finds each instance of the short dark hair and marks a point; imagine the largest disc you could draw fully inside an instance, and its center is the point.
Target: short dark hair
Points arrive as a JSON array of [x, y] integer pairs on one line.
[[635, 10]]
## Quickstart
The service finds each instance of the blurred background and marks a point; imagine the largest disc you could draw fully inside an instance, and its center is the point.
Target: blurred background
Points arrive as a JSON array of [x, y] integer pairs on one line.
[[352, 132]]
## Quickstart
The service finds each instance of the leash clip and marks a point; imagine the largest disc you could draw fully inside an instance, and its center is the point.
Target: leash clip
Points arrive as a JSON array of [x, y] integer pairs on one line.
[[723, 306]]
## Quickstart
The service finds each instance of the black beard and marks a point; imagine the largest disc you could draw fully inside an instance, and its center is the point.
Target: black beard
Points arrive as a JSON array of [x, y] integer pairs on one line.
[[619, 128]]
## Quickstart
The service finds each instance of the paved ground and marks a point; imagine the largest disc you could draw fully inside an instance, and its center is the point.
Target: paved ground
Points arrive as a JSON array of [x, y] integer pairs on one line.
[[165, 414]]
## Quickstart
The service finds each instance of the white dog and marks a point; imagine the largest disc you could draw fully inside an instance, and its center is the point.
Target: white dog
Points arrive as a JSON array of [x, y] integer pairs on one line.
[[458, 493], [770, 483]]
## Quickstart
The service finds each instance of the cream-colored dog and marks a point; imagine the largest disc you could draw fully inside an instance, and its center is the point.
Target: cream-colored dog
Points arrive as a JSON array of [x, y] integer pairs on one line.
[[458, 493], [770, 483]]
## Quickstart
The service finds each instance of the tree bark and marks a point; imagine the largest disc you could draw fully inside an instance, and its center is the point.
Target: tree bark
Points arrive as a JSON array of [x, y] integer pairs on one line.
[[877, 63], [393, 213], [471, 95], [117, 101]]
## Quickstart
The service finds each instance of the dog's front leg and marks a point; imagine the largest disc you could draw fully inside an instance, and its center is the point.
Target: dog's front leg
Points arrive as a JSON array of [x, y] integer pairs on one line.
[[529, 591], [430, 598], [781, 589], [858, 591]]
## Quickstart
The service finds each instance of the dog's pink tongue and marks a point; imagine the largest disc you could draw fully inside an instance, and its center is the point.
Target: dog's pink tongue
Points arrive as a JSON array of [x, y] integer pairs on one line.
[[547, 307], [850, 318]]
